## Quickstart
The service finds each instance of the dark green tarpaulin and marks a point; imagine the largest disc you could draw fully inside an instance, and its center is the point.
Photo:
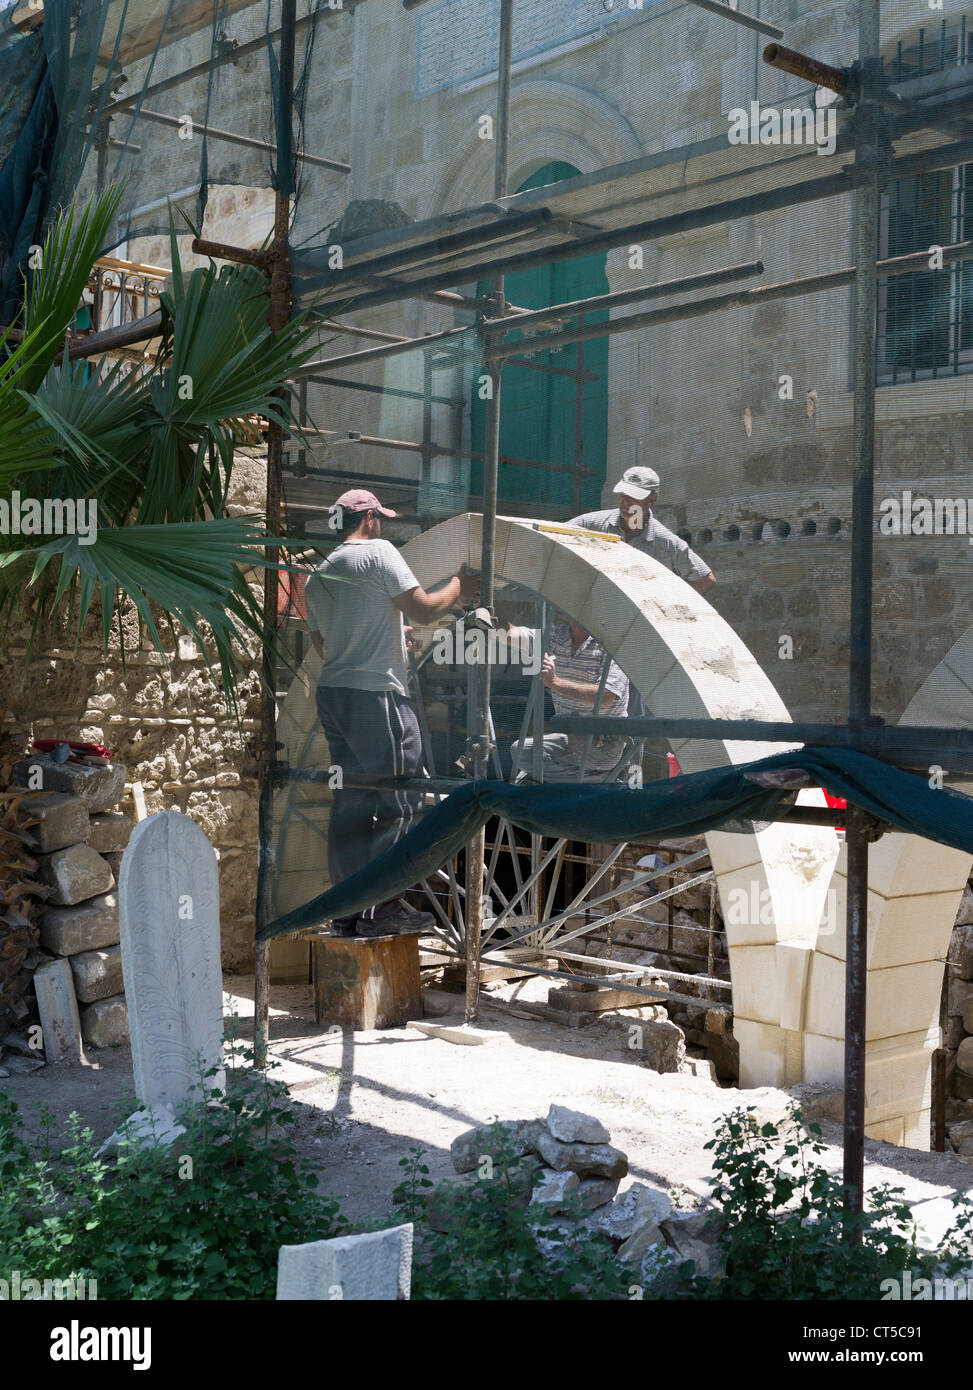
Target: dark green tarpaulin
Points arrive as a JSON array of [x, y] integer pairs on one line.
[[685, 805]]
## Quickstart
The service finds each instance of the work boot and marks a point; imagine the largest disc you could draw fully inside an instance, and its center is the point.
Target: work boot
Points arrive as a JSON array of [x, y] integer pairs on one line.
[[392, 917]]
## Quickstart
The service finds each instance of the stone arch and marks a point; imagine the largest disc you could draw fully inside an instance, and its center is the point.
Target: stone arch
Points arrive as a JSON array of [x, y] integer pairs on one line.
[[550, 119], [686, 660], [914, 891]]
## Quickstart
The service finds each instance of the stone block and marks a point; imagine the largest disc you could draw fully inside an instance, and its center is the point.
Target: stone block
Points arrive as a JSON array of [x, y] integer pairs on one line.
[[645, 1235], [374, 1267], [626, 1213], [75, 874], [961, 951], [571, 1127], [663, 1045], [105, 1022], [587, 1160], [518, 1136], [594, 1193], [58, 1009], [109, 832], [964, 1056], [89, 926], [114, 862], [961, 1000], [97, 974], [98, 786], [61, 819], [553, 1188]]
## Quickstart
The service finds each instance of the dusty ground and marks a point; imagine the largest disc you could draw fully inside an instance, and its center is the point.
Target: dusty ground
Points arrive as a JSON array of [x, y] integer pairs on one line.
[[367, 1098]]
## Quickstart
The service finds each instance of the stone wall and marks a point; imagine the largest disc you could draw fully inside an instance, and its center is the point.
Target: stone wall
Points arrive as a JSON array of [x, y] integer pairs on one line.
[[166, 719]]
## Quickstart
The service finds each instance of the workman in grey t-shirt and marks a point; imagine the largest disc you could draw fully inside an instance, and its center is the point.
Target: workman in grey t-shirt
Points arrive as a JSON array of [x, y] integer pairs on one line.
[[356, 600], [638, 492]]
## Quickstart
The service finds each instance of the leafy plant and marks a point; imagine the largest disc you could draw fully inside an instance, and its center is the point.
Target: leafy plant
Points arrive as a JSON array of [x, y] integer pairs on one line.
[[153, 448], [786, 1235], [203, 1218]]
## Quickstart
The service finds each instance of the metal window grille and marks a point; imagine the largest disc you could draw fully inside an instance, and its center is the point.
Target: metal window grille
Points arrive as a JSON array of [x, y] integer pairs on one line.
[[925, 320]]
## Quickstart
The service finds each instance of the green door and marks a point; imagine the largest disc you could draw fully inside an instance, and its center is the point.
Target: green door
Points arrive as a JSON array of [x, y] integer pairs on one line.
[[541, 417]]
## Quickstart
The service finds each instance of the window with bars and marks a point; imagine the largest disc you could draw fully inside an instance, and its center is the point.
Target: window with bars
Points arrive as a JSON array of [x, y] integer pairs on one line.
[[925, 320]]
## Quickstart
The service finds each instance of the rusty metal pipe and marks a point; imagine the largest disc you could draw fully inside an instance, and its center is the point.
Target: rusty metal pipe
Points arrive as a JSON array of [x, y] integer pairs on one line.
[[811, 69]]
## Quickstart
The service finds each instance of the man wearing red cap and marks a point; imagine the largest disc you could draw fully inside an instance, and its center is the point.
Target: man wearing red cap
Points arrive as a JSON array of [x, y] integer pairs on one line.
[[356, 601]]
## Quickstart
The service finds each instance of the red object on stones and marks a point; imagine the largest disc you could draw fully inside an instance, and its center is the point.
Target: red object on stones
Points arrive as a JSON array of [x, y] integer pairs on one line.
[[674, 768], [81, 750]]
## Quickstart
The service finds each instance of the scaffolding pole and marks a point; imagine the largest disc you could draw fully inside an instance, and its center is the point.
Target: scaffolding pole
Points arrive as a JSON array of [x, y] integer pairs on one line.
[[280, 308], [871, 157]]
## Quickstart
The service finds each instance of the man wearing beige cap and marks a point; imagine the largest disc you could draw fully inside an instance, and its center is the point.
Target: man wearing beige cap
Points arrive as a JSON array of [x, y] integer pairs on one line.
[[356, 601], [637, 492]]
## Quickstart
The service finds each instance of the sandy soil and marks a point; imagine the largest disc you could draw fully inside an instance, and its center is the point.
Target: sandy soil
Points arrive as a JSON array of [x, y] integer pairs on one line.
[[367, 1098]]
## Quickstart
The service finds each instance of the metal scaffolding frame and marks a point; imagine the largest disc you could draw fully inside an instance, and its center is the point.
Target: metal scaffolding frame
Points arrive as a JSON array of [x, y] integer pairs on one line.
[[878, 117]]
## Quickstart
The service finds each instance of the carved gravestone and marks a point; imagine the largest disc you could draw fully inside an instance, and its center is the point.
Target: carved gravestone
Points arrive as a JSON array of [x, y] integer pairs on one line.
[[168, 895]]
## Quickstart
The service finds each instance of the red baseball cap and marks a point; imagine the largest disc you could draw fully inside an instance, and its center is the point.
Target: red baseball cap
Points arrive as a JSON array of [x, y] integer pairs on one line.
[[359, 500]]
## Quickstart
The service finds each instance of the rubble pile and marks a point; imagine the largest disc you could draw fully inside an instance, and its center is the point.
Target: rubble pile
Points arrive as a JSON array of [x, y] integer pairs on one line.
[[566, 1166]]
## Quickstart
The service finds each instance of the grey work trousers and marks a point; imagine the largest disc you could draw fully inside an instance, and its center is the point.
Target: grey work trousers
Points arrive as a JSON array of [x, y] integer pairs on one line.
[[368, 731]]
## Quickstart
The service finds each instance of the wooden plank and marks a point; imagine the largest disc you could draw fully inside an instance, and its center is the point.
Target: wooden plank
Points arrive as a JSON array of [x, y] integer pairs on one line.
[[366, 982], [595, 1000]]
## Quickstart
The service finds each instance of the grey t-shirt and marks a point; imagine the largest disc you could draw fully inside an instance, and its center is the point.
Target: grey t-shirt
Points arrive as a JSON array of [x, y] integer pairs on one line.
[[654, 539], [362, 630]]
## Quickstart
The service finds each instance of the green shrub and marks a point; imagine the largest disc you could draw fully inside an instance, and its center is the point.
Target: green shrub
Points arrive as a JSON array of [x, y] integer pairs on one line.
[[786, 1236], [200, 1219]]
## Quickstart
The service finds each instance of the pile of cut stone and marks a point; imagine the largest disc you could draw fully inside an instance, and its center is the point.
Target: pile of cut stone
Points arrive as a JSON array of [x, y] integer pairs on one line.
[[568, 1161], [79, 839]]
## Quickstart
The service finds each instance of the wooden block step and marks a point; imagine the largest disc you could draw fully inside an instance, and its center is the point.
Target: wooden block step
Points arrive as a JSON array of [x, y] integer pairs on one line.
[[366, 982]]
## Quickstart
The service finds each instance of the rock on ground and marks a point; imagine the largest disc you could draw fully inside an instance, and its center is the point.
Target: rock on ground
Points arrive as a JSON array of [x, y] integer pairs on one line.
[[467, 1149], [587, 1160], [571, 1127]]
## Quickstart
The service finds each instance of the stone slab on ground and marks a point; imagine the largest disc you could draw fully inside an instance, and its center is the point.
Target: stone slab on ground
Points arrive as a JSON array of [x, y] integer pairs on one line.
[[97, 974], [58, 1009], [109, 832], [374, 1267], [62, 820], [99, 786], [89, 926], [105, 1022], [76, 874], [170, 929], [464, 1034]]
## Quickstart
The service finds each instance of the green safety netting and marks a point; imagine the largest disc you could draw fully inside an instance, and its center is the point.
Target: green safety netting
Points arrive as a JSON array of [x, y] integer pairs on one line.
[[686, 805]]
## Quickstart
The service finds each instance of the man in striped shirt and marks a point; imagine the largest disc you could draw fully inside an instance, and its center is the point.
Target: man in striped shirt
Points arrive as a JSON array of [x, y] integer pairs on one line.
[[574, 671]]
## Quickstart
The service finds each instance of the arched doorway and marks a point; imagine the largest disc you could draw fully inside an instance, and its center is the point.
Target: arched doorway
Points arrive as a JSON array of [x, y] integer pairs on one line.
[[554, 409]]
